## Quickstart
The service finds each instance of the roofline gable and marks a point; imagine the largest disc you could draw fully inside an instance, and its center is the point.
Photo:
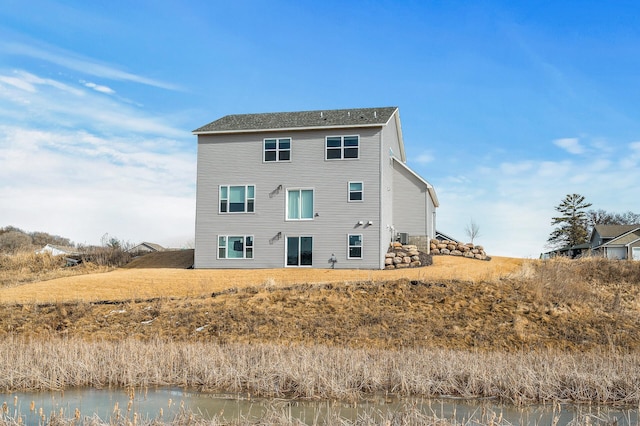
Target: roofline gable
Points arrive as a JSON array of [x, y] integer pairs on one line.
[[612, 241], [430, 188], [396, 113]]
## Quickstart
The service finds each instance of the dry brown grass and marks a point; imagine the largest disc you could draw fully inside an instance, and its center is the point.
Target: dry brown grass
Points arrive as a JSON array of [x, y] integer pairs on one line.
[[321, 372], [126, 284], [27, 267]]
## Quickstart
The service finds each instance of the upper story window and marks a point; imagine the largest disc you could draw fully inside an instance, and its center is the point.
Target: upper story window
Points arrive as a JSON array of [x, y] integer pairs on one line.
[[237, 199], [299, 204], [355, 191], [342, 147], [277, 149]]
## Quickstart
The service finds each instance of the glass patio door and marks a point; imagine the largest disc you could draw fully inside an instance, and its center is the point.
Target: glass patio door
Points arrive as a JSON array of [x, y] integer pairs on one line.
[[299, 251]]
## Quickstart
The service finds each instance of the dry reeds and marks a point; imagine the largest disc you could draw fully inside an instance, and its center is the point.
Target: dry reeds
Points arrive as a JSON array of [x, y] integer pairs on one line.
[[321, 372]]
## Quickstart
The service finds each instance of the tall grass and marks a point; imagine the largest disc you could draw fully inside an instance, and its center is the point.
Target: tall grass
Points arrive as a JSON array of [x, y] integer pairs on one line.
[[321, 372], [281, 416], [27, 266], [587, 279]]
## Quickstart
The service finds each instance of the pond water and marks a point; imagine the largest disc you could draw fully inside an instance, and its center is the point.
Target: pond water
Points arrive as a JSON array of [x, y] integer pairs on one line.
[[165, 403]]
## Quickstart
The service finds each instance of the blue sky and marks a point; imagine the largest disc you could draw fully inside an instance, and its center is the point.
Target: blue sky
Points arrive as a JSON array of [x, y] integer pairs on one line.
[[506, 107]]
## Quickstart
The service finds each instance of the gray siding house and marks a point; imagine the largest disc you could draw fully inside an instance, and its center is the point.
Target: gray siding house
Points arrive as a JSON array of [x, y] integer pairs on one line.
[[616, 241], [314, 189]]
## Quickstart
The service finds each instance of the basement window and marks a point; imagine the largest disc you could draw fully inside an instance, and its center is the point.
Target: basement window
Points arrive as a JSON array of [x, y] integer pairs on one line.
[[355, 246], [235, 247]]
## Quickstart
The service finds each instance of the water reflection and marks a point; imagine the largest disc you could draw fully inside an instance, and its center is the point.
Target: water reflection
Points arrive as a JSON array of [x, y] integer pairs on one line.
[[165, 403]]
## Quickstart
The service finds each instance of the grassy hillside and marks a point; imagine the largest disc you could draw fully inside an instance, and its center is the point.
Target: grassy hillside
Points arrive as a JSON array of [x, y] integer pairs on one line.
[[505, 304]]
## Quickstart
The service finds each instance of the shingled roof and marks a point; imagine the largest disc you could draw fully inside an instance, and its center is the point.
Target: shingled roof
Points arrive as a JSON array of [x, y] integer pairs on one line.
[[612, 231], [358, 117]]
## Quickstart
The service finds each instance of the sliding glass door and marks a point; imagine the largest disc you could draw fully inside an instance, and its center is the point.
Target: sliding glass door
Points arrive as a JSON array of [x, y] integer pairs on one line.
[[299, 251]]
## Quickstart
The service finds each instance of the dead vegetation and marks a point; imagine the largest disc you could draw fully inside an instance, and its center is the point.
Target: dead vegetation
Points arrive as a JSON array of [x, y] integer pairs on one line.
[[321, 372], [538, 305], [27, 267], [139, 283], [519, 330]]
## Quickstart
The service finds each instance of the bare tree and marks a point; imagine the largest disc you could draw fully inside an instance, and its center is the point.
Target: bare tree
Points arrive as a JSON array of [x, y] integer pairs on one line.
[[472, 230], [14, 241]]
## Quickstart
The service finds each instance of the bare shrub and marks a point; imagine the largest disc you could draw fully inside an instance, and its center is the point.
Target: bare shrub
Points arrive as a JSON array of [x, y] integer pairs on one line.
[[113, 256], [14, 241], [579, 280]]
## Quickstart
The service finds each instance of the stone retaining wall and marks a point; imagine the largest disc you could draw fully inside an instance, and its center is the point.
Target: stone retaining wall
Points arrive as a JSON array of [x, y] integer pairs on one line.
[[402, 256], [452, 248]]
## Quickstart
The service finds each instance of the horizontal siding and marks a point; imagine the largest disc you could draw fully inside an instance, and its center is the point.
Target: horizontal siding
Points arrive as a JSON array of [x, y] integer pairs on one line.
[[237, 160], [410, 207]]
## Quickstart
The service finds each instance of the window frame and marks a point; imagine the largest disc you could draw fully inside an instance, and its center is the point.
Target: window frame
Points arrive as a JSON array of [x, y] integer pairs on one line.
[[247, 199], [286, 205], [245, 246], [342, 148], [350, 191], [277, 150], [350, 246]]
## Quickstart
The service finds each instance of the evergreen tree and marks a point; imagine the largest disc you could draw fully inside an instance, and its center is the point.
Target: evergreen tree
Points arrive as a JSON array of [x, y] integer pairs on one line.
[[572, 222]]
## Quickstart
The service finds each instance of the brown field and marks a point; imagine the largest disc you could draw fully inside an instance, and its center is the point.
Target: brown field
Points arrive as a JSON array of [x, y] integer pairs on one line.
[[505, 304], [137, 283]]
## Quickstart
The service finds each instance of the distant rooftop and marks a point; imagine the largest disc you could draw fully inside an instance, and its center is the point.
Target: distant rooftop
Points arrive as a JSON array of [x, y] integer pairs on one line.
[[611, 231], [357, 117]]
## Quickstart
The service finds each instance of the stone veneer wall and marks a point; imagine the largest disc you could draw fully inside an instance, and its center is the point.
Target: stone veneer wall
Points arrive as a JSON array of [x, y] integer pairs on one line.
[[453, 248], [420, 241]]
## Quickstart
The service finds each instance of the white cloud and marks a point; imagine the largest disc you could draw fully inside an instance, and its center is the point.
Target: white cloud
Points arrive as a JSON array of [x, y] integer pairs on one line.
[[513, 202], [79, 164], [424, 158], [516, 168], [59, 104], [571, 145], [98, 87], [79, 63], [28, 82], [633, 158]]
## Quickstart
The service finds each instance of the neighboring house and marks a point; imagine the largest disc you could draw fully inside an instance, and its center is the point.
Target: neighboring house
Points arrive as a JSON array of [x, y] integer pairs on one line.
[[616, 241], [144, 248], [56, 250], [300, 188], [572, 252], [610, 241]]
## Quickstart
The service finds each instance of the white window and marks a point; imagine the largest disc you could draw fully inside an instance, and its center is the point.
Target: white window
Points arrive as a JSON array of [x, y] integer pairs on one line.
[[355, 246], [237, 199], [355, 191], [235, 247], [342, 147], [299, 204], [277, 149]]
